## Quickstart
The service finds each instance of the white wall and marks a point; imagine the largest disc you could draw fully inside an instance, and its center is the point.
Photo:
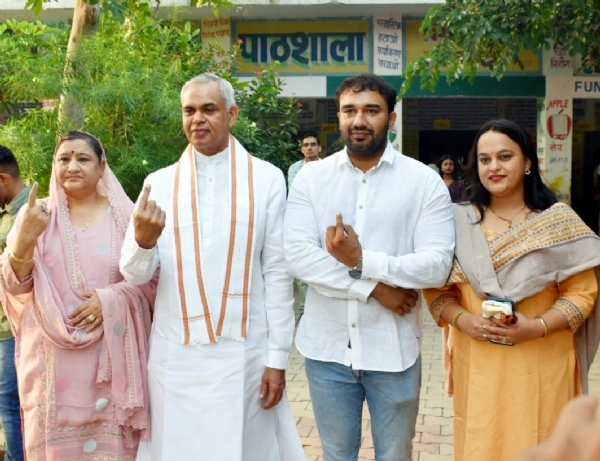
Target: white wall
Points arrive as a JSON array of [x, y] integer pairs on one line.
[[242, 9]]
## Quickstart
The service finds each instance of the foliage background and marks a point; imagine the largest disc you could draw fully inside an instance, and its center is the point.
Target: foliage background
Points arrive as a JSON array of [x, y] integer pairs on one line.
[[129, 76], [475, 35]]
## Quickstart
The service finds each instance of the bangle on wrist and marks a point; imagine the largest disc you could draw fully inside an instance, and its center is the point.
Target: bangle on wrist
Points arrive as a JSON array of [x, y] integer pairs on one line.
[[544, 324], [15, 258], [456, 316]]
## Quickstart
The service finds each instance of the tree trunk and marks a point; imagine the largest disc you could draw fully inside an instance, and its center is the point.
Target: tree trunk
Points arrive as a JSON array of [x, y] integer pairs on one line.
[[85, 22]]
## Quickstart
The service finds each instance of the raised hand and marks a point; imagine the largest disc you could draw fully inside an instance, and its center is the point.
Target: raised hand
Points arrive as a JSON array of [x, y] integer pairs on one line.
[[35, 218], [148, 220], [342, 242]]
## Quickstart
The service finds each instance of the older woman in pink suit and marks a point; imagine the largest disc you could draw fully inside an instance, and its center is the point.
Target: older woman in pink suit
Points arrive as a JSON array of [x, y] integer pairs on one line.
[[81, 331]]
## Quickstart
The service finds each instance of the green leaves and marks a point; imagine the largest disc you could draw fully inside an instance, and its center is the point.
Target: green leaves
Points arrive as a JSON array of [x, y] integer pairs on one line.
[[35, 5], [129, 76], [474, 35], [214, 4], [268, 125], [120, 9]]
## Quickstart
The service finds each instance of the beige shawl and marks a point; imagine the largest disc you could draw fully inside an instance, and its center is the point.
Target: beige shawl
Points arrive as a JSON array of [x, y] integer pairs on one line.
[[560, 242]]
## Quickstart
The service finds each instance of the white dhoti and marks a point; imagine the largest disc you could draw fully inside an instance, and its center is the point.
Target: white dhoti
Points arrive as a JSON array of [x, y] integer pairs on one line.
[[223, 311], [187, 383]]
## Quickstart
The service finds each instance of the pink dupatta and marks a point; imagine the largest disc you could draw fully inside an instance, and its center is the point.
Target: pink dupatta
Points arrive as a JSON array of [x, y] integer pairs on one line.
[[120, 344]]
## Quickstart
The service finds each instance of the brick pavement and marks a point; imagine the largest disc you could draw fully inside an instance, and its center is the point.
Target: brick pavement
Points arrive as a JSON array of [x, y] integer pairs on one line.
[[433, 441], [434, 438]]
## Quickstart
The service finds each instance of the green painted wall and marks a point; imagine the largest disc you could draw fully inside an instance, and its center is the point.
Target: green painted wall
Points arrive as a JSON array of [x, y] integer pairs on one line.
[[513, 87]]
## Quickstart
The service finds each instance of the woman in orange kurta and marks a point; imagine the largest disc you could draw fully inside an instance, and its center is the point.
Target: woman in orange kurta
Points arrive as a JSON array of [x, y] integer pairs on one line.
[[514, 241]]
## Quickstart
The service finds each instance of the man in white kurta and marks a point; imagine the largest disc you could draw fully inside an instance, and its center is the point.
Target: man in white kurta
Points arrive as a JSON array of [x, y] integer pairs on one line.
[[223, 320]]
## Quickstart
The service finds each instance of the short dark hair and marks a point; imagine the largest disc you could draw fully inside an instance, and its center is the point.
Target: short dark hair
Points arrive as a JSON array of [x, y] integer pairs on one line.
[[538, 196], [309, 134], [8, 163], [92, 141], [369, 82]]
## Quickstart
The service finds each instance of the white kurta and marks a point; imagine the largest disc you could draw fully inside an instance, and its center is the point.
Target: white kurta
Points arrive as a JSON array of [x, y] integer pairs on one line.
[[204, 399]]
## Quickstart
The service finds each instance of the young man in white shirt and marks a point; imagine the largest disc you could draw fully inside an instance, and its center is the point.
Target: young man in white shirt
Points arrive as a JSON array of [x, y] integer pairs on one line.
[[366, 228], [309, 146]]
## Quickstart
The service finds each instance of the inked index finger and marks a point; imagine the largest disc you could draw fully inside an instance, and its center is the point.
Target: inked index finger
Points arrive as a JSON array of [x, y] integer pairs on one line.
[[339, 224], [144, 197], [33, 194]]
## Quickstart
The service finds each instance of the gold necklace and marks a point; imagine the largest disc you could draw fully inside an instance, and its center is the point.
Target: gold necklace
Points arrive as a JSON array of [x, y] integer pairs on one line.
[[509, 221], [96, 212]]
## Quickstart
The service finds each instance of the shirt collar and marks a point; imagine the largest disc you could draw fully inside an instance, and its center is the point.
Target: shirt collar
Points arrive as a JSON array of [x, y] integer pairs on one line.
[[388, 156], [219, 157]]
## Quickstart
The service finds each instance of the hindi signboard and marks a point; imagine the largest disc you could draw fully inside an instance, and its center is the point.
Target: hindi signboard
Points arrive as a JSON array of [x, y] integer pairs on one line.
[[304, 47]]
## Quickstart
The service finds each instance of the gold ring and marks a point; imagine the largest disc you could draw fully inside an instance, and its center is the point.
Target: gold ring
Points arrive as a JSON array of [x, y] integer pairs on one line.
[[91, 318]]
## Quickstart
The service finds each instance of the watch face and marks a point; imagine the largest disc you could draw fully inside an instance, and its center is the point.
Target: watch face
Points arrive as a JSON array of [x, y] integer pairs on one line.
[[355, 273]]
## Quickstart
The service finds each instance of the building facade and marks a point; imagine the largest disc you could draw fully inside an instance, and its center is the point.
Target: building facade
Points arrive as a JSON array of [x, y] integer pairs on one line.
[[318, 43]]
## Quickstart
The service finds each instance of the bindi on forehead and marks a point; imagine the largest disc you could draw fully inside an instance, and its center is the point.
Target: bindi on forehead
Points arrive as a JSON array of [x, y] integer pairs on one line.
[[72, 152]]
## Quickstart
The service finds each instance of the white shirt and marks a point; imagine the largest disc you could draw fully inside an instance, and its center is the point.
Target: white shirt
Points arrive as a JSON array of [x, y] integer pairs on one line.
[[402, 213], [271, 300]]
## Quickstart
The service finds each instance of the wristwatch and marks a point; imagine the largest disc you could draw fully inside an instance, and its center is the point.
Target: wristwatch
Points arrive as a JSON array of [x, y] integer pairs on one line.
[[356, 271]]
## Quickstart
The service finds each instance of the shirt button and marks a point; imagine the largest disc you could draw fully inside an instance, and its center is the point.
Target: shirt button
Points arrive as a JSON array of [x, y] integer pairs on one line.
[[354, 325], [360, 207], [364, 181]]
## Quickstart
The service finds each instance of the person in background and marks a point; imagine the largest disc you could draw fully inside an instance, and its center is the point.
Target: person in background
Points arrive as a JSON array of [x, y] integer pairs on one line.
[[366, 228], [310, 148], [597, 191], [434, 167], [81, 332], [13, 195], [458, 193], [512, 373], [449, 173], [435, 164]]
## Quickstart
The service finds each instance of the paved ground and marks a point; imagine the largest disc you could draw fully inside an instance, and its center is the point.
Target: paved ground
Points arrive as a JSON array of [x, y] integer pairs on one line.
[[434, 438], [433, 441]]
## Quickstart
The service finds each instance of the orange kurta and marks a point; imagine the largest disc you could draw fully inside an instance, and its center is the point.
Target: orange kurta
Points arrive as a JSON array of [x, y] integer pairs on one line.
[[507, 398]]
